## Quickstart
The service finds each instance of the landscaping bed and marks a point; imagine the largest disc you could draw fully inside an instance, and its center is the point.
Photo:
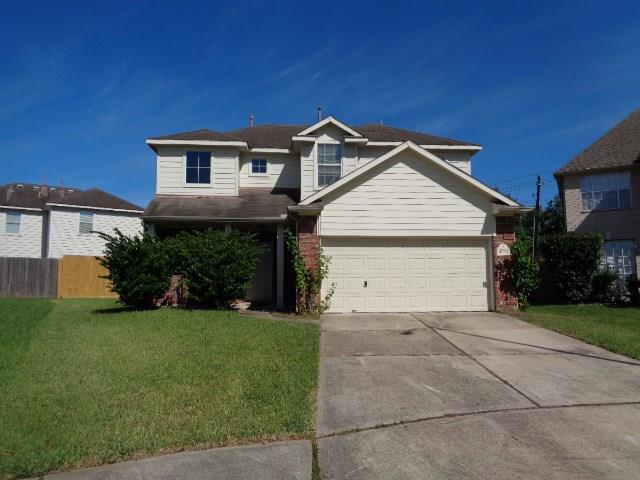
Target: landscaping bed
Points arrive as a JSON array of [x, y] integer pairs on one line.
[[84, 382], [615, 328]]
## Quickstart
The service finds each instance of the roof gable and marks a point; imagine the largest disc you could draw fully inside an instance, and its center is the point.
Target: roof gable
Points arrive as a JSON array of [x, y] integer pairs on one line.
[[428, 156], [332, 121]]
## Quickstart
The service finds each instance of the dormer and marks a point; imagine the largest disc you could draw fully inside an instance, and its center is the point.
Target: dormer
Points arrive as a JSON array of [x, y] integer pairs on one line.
[[328, 151]]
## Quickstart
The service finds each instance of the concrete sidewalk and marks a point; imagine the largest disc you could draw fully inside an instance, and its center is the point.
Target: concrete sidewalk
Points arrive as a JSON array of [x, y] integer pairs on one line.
[[273, 461]]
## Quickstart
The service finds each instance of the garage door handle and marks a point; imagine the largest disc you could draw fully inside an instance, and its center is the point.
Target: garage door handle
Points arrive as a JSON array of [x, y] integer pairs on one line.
[[365, 284]]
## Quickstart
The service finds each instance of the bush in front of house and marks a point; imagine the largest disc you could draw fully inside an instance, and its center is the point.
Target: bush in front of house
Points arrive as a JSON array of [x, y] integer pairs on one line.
[[217, 266], [524, 270], [574, 262], [139, 268]]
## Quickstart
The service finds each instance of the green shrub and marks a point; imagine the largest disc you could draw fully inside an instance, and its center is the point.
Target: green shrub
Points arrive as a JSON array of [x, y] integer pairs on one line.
[[139, 268], [217, 267], [605, 287], [524, 270], [574, 260]]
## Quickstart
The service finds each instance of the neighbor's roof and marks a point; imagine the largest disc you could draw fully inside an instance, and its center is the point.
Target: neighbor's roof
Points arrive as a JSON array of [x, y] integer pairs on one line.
[[619, 147], [28, 195], [279, 136], [250, 203]]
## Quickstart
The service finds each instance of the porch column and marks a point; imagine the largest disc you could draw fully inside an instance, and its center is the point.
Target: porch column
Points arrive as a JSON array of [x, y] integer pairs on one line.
[[280, 267], [506, 299]]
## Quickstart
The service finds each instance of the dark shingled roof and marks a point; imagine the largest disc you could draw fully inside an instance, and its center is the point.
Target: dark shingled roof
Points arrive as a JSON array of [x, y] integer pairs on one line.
[[203, 134], [268, 136], [382, 133], [27, 195], [619, 147], [279, 136], [250, 203]]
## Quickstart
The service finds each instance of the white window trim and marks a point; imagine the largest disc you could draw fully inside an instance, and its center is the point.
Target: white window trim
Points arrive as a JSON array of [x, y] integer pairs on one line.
[[252, 174], [316, 186], [6, 223], [184, 172], [583, 210]]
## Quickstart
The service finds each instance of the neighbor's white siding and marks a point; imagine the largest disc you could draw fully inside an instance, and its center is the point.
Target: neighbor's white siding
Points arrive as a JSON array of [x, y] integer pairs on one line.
[[171, 172], [407, 196], [28, 243], [64, 226], [283, 171]]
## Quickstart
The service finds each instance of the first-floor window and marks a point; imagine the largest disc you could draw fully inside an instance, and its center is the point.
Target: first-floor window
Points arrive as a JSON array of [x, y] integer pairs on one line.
[[86, 222], [329, 163], [606, 191], [259, 165], [621, 256], [13, 222], [198, 167]]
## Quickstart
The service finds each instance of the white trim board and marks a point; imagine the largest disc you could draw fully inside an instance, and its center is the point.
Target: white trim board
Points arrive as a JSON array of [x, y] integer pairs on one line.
[[420, 151], [86, 207]]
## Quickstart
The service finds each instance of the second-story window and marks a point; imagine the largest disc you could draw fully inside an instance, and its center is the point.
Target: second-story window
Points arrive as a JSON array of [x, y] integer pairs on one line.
[[199, 168], [259, 166], [606, 191], [13, 222], [329, 163], [86, 222]]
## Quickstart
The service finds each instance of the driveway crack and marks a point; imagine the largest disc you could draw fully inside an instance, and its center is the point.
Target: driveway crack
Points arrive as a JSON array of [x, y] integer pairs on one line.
[[491, 372]]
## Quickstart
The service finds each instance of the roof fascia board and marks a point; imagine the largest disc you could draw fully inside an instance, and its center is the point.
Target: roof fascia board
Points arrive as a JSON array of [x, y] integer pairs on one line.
[[299, 138], [356, 140], [327, 121], [269, 150], [185, 218], [204, 143], [87, 207], [421, 151], [31, 209], [428, 147]]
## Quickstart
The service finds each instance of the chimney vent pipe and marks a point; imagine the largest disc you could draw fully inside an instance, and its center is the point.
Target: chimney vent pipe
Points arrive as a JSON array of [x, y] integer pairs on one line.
[[252, 120]]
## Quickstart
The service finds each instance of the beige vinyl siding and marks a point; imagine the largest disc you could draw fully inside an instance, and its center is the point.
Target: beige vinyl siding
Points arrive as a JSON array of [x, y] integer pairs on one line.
[[407, 196], [283, 171], [366, 154], [171, 172], [461, 160], [65, 239], [28, 243]]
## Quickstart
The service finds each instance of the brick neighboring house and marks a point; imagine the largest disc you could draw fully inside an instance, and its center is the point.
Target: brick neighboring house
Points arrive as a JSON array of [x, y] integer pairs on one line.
[[601, 193]]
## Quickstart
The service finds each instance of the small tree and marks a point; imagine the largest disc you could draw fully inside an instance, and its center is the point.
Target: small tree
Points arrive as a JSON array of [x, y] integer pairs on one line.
[[309, 281], [139, 268], [574, 260], [524, 270], [217, 266]]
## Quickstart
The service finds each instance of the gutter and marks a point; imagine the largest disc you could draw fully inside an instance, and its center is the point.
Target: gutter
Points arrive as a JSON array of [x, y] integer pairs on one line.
[[192, 218], [510, 210]]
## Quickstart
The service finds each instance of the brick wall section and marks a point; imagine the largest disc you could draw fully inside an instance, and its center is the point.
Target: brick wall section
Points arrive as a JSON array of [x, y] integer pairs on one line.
[[613, 224], [308, 240], [506, 299]]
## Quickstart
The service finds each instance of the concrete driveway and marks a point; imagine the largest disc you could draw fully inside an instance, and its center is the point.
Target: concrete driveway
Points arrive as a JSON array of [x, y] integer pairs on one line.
[[470, 396]]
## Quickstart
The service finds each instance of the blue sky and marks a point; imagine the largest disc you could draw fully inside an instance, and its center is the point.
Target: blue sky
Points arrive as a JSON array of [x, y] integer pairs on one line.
[[84, 83]]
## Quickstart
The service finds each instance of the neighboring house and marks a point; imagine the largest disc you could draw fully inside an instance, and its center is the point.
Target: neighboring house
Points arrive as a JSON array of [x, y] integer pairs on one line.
[[48, 221], [601, 193], [406, 225]]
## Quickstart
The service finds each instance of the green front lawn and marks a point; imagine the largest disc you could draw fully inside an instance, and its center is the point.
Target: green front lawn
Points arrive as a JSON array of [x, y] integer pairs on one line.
[[84, 382], [614, 328]]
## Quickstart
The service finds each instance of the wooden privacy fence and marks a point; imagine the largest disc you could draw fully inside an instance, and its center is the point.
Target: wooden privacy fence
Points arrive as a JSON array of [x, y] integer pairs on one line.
[[28, 277], [79, 276], [67, 277]]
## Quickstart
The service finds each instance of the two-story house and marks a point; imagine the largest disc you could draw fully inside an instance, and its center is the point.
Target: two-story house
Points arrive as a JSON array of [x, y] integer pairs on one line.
[[53, 221], [601, 193], [407, 227]]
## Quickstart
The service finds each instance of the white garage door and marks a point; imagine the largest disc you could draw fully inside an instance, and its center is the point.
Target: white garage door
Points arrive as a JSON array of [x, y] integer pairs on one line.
[[407, 275]]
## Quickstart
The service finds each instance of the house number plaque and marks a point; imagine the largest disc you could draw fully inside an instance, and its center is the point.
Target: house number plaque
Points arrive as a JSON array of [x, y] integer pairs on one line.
[[503, 250]]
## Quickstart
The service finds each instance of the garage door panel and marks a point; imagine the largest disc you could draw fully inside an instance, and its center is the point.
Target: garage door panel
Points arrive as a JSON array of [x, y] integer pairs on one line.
[[407, 274]]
